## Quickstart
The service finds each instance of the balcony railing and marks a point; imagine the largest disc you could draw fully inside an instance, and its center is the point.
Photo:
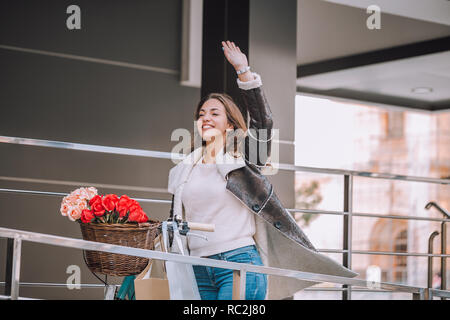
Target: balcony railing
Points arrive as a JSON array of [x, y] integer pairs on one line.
[[347, 213], [240, 269]]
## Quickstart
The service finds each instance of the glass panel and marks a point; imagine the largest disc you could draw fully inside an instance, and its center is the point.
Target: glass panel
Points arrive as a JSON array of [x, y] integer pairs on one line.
[[360, 137], [414, 272], [394, 197], [324, 230], [395, 235], [319, 191]]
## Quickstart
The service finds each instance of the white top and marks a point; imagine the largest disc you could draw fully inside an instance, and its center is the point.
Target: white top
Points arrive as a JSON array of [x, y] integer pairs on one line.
[[206, 200]]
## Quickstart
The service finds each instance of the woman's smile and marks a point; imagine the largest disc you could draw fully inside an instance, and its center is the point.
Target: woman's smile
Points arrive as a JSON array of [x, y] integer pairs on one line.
[[207, 126]]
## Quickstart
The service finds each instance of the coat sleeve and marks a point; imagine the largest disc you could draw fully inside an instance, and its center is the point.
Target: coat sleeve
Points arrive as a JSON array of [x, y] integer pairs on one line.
[[258, 142]]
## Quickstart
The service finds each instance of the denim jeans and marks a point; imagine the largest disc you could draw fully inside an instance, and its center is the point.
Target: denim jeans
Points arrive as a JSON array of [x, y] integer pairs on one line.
[[217, 283]]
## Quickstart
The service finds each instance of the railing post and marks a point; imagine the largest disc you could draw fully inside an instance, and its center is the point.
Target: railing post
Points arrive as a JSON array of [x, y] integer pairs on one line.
[[443, 259], [110, 291], [430, 259], [239, 284], [443, 244], [417, 296], [8, 266], [15, 275], [423, 294], [347, 231]]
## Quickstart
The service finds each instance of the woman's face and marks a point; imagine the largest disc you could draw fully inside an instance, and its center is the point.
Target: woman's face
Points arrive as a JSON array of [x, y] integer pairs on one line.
[[212, 120]]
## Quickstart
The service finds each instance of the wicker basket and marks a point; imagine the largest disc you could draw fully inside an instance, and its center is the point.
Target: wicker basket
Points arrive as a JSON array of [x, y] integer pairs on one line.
[[130, 235]]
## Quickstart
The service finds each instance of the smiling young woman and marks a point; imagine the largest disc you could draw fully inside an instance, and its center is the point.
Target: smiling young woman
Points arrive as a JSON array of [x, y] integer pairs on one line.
[[221, 127], [222, 184], [220, 124]]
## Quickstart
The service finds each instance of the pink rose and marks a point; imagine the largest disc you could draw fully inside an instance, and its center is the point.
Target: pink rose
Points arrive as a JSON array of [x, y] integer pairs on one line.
[[64, 209], [72, 199], [92, 192], [77, 201], [82, 205], [74, 213], [84, 194]]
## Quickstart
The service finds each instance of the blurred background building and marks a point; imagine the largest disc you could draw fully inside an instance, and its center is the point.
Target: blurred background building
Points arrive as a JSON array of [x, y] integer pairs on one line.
[[364, 138]]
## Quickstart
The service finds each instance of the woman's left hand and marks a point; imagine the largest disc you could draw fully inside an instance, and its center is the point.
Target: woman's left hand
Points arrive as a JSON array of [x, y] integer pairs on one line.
[[234, 55]]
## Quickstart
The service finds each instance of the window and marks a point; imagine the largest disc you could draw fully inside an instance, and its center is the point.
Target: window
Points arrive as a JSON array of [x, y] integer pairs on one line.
[[400, 262], [389, 235], [394, 124]]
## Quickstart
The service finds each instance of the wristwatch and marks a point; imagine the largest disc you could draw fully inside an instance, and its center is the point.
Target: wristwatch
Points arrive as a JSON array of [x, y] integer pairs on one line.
[[243, 70]]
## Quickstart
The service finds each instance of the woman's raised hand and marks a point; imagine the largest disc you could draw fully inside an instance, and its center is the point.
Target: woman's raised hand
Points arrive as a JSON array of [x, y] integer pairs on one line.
[[234, 55]]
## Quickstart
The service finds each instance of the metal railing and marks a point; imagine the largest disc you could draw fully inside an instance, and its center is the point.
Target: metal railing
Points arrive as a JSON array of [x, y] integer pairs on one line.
[[239, 269], [347, 214], [443, 247]]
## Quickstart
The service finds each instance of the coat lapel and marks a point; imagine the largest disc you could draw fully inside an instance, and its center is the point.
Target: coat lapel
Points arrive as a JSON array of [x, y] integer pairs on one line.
[[276, 249]]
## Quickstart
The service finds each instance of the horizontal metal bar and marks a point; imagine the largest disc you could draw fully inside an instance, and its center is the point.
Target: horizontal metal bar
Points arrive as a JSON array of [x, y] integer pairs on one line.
[[344, 289], [164, 190], [82, 184], [332, 250], [369, 215], [366, 174], [150, 200], [374, 215], [440, 293], [56, 285], [89, 147], [91, 59], [386, 253], [169, 155], [2, 297], [62, 194], [102, 286], [96, 246], [34, 192]]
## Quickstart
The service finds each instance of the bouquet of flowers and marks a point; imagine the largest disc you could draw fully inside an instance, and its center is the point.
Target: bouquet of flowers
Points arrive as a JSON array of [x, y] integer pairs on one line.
[[86, 206], [114, 220]]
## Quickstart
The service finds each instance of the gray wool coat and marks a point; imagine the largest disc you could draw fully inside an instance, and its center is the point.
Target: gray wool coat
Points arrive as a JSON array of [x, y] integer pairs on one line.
[[284, 246]]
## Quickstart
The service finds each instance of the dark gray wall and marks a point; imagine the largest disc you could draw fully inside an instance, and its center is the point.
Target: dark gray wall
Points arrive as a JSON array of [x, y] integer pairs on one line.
[[48, 97], [272, 53]]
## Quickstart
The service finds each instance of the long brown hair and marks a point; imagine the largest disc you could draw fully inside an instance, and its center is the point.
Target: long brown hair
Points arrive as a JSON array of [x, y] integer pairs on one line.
[[234, 117]]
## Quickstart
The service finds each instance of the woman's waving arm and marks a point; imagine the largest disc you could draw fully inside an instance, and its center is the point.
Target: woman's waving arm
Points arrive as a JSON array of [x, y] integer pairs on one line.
[[237, 59], [258, 140]]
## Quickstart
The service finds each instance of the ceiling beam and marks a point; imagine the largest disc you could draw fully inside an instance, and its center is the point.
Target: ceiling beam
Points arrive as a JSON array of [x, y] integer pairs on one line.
[[376, 56]]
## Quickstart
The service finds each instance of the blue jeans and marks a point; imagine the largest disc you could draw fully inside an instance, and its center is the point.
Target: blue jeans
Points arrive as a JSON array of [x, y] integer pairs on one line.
[[217, 283]]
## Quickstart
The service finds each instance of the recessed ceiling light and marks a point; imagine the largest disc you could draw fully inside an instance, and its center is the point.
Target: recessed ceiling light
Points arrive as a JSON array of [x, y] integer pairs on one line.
[[422, 90]]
